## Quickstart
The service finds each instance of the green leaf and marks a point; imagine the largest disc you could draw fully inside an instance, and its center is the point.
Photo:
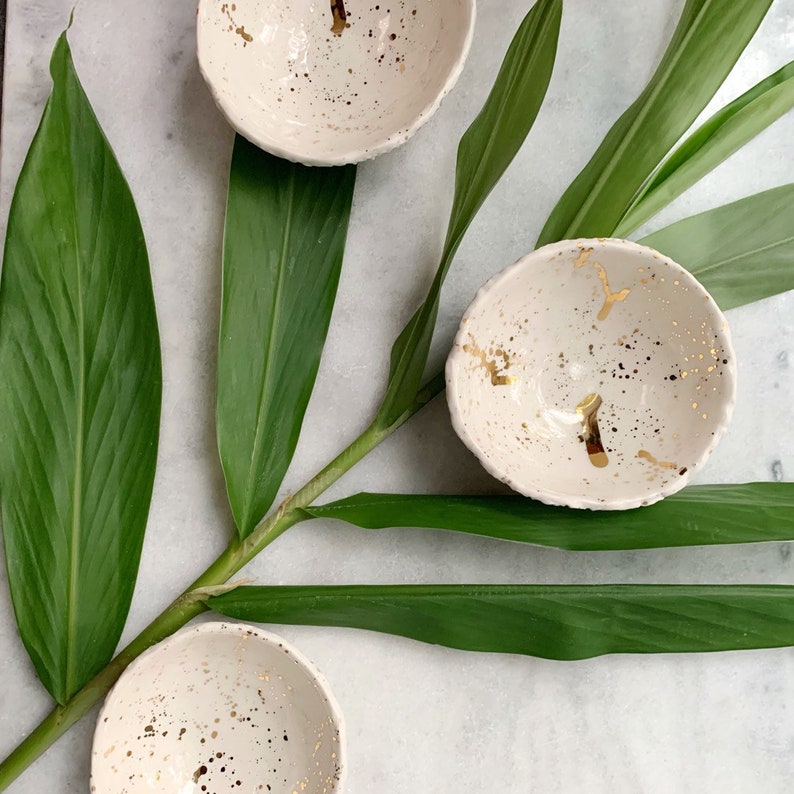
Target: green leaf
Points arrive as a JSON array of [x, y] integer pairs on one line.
[[486, 149], [740, 252], [282, 254], [723, 134], [697, 516], [707, 42], [563, 622], [80, 392]]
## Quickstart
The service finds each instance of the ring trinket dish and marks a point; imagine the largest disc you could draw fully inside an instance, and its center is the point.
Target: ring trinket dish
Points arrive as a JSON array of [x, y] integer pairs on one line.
[[219, 707], [592, 373], [324, 83]]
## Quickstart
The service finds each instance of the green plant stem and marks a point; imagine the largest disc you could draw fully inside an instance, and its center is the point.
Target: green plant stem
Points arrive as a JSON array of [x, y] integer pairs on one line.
[[189, 604]]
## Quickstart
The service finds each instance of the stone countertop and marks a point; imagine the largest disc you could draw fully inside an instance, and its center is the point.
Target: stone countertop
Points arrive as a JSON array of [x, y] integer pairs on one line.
[[422, 718]]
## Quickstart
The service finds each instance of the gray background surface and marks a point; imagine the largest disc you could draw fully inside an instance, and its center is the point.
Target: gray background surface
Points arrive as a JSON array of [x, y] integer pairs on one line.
[[420, 718]]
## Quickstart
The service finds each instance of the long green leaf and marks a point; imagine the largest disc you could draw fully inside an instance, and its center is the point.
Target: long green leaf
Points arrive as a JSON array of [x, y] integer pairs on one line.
[[486, 149], [697, 516], [723, 134], [79, 394], [707, 42], [740, 252], [563, 622], [282, 255]]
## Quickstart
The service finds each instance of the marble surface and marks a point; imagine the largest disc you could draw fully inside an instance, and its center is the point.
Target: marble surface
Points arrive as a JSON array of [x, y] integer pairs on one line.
[[421, 718]]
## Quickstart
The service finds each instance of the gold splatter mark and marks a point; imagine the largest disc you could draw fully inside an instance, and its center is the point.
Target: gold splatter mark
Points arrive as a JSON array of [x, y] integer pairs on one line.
[[202, 770], [588, 410], [609, 296], [108, 752], [583, 257], [665, 464], [492, 367], [340, 17], [238, 29]]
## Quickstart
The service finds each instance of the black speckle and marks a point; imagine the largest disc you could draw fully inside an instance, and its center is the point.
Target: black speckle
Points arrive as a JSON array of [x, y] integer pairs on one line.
[[777, 470]]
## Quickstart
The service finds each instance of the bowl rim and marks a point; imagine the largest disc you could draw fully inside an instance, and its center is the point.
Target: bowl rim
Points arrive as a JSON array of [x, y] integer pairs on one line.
[[231, 627], [349, 156], [558, 498]]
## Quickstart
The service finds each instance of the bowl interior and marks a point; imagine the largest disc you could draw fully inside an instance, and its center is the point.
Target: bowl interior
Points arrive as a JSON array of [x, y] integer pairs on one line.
[[218, 707], [294, 87], [592, 373]]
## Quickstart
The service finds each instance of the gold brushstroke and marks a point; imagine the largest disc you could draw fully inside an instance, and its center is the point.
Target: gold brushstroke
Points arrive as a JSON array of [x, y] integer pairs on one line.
[[340, 17], [492, 367], [665, 464], [588, 410], [609, 296]]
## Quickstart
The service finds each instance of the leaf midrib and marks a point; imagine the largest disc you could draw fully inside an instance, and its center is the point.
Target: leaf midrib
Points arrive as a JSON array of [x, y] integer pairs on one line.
[[264, 390], [607, 170], [752, 252], [77, 486]]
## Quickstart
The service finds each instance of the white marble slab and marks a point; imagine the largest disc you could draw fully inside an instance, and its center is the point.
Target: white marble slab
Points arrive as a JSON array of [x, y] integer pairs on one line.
[[421, 718]]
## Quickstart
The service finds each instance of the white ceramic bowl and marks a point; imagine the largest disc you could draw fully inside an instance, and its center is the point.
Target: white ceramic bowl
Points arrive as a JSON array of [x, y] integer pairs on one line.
[[292, 86], [219, 707], [592, 373]]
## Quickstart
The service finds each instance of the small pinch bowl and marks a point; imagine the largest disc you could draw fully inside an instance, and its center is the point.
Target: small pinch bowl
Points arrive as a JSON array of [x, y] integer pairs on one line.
[[593, 374], [219, 707], [289, 83]]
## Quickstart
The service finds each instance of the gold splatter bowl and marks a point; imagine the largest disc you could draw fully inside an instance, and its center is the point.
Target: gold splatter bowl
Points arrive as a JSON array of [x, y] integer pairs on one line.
[[219, 707], [326, 82], [592, 373]]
